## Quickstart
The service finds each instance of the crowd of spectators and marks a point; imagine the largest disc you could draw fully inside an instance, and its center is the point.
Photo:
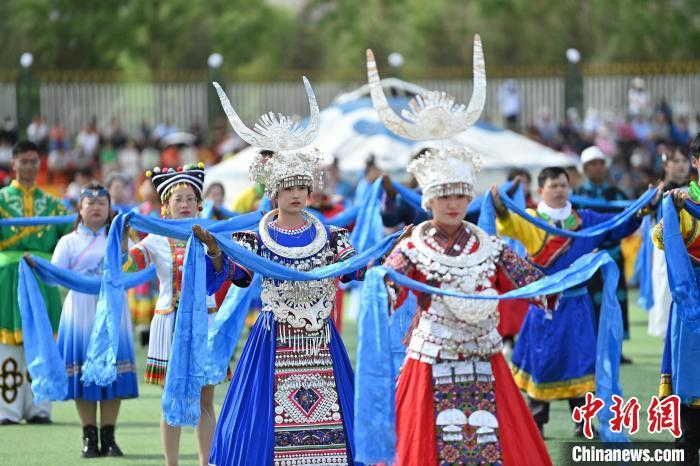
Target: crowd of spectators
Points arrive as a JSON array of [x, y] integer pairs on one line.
[[633, 141], [103, 152]]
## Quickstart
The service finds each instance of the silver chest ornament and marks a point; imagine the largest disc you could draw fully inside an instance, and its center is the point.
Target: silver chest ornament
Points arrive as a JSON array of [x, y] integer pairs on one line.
[[302, 305], [454, 326]]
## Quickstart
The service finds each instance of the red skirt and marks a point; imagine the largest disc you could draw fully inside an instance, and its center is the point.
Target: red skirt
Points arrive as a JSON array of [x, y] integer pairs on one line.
[[512, 313], [520, 441]]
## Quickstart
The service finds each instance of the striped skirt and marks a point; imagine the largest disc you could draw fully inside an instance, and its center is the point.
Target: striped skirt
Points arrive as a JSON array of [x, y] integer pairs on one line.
[[160, 344]]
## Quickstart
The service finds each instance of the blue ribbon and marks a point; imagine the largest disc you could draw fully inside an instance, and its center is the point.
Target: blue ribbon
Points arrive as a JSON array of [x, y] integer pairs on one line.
[[375, 375], [37, 221], [370, 228], [227, 327], [55, 276], [583, 202], [375, 431], [681, 277], [100, 363], [45, 365], [178, 404], [44, 362], [593, 231], [185, 375], [643, 266]]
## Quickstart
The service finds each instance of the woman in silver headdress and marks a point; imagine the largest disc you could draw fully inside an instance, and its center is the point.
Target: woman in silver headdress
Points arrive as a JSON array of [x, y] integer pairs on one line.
[[290, 401], [456, 402]]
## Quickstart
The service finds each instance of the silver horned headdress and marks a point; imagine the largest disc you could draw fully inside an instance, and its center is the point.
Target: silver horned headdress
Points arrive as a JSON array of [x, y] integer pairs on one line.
[[432, 116], [291, 164], [442, 172]]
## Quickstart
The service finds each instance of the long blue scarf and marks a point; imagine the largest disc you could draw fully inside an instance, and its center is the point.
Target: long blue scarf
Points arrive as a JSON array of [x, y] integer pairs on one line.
[[100, 363], [582, 202], [685, 290], [592, 231], [643, 266], [185, 375], [370, 228], [375, 431], [45, 365], [681, 277], [227, 327], [189, 348], [37, 221]]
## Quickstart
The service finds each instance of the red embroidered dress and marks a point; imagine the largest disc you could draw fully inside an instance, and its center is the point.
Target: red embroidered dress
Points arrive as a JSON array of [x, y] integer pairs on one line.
[[456, 401]]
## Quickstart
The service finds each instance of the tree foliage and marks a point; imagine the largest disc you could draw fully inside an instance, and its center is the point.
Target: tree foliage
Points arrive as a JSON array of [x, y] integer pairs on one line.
[[331, 35]]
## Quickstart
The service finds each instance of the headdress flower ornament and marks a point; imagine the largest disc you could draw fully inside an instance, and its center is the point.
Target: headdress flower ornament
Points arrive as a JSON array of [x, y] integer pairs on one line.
[[290, 164], [286, 169], [164, 179], [433, 116], [93, 192]]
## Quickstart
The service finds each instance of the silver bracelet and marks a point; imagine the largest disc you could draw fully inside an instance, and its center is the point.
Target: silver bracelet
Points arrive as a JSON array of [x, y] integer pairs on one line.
[[215, 256]]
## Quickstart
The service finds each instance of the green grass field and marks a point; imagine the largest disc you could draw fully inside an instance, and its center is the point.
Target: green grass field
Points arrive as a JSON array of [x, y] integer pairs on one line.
[[138, 430]]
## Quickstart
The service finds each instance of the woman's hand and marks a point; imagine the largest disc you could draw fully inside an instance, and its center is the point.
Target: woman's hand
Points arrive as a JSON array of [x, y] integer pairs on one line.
[[29, 260], [407, 230], [388, 186], [659, 194], [207, 239], [679, 198], [501, 209]]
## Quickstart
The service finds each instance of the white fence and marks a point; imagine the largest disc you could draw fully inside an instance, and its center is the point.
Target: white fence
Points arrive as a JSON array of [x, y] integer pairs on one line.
[[184, 102]]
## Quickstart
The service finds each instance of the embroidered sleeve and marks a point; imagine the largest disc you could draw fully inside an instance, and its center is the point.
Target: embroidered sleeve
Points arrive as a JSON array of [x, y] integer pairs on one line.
[[235, 272], [518, 271], [515, 272], [140, 256], [247, 239], [398, 261], [344, 250], [341, 245]]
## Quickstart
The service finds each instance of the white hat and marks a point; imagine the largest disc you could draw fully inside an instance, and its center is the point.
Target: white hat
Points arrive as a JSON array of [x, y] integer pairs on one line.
[[592, 153]]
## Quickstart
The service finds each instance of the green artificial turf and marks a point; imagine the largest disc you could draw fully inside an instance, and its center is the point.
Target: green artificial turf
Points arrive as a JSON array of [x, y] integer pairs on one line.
[[139, 436]]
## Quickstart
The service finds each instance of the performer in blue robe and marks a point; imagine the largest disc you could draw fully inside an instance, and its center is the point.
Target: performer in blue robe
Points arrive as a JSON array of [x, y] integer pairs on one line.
[[679, 373], [554, 358]]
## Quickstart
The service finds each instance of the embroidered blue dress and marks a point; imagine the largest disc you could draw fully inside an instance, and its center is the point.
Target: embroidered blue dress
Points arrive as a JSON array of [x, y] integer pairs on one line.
[[291, 397], [554, 358]]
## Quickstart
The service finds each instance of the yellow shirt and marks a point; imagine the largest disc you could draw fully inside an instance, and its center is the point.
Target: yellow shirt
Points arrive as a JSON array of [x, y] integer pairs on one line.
[[689, 231], [246, 201]]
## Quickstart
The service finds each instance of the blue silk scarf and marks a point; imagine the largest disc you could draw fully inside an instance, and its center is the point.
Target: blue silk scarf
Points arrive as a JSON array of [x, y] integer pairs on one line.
[[45, 365], [375, 375]]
